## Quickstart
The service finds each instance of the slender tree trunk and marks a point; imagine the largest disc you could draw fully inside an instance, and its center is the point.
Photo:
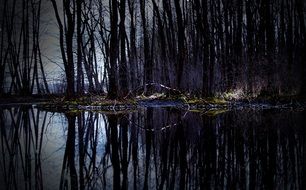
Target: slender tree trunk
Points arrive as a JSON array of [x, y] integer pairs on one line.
[[181, 44], [80, 76], [113, 88], [300, 7], [270, 45], [3, 47], [162, 40], [239, 43], [212, 49], [66, 40], [147, 58], [250, 45], [132, 55], [123, 78]]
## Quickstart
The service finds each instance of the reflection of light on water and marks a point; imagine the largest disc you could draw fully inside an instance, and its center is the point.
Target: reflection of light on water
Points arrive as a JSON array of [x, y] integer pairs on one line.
[[53, 149], [219, 146], [55, 144]]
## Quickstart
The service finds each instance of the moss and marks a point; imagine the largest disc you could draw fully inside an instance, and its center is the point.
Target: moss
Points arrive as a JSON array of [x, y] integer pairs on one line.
[[194, 101], [196, 110], [216, 100], [159, 96], [74, 111], [209, 100], [73, 102], [215, 112], [92, 101], [220, 101]]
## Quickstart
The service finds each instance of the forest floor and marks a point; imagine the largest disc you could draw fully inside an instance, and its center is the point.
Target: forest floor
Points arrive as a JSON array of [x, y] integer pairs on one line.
[[98, 103]]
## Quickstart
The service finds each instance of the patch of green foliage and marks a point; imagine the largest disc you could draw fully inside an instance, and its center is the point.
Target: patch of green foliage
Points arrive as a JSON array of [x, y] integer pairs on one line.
[[94, 101], [208, 100], [215, 112]]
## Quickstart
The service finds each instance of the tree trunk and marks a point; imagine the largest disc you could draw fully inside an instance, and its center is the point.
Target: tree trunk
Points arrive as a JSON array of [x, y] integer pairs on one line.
[[80, 75], [181, 44], [123, 78], [67, 54], [132, 53], [112, 75], [300, 7], [250, 45], [147, 58]]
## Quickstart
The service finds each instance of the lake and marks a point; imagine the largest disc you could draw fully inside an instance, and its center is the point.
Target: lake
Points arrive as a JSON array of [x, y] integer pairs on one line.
[[152, 148]]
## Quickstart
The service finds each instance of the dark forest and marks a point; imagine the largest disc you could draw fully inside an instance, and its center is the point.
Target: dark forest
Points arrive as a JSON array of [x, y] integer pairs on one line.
[[200, 48], [152, 94]]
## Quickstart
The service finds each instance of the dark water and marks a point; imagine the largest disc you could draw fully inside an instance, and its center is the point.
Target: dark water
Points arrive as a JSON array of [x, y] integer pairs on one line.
[[152, 148]]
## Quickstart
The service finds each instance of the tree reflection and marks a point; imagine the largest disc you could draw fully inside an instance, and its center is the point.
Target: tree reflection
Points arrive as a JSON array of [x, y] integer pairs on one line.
[[158, 148], [21, 136], [69, 167]]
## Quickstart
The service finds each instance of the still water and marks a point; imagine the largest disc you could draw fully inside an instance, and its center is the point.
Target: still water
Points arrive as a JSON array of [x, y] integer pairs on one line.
[[152, 148]]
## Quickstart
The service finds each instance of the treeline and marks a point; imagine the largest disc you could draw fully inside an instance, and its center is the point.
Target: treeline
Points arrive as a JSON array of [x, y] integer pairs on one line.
[[199, 47], [21, 65]]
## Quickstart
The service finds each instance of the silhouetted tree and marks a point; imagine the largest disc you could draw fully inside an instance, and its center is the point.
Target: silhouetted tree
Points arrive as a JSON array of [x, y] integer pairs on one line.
[[123, 71], [66, 33], [112, 75]]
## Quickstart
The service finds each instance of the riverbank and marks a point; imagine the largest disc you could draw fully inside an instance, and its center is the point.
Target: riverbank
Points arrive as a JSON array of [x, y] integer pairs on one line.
[[97, 103]]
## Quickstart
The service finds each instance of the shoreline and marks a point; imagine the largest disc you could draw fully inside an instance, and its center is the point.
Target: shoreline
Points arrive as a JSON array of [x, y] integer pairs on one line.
[[57, 103]]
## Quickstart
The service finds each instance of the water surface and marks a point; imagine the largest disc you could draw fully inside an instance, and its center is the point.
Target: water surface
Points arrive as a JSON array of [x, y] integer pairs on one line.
[[152, 148]]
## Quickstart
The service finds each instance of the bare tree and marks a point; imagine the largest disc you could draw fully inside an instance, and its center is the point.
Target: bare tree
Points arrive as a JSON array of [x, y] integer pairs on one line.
[[66, 30], [123, 71], [112, 75]]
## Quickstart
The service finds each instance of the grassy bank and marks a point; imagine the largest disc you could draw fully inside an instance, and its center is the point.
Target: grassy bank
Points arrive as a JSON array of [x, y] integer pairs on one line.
[[96, 102]]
